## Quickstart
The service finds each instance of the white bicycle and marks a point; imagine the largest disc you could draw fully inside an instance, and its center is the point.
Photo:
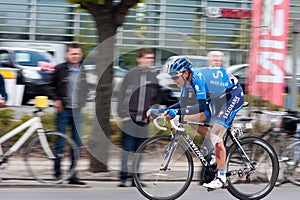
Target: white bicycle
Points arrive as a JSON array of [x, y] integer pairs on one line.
[[40, 153]]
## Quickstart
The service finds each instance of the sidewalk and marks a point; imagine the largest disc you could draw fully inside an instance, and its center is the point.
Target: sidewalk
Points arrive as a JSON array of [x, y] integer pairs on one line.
[[17, 175]]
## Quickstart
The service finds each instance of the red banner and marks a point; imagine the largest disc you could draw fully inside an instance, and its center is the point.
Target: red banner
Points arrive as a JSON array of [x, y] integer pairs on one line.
[[268, 50]]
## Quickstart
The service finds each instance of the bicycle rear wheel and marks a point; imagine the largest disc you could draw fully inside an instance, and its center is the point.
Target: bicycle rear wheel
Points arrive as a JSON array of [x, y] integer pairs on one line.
[[259, 182], [155, 183], [291, 158], [41, 166]]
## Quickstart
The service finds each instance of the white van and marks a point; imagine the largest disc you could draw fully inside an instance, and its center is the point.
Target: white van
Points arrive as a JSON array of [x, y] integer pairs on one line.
[[27, 64]]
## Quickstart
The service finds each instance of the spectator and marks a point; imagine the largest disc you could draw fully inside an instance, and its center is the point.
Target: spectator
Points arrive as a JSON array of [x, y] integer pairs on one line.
[[215, 58], [138, 92], [69, 95], [3, 97]]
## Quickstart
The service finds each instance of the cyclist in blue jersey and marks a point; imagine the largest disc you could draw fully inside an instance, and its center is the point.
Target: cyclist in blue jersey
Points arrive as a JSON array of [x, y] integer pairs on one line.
[[219, 97]]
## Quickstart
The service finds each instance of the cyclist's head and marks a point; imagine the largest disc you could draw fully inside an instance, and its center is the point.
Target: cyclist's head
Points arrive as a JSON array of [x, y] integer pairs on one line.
[[176, 67]]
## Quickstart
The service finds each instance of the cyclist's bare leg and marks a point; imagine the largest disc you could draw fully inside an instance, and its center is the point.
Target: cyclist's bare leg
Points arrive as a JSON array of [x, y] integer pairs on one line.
[[218, 132]]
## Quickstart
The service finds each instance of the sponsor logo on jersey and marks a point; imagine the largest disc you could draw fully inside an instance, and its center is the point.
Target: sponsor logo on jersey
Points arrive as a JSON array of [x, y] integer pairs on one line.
[[219, 83], [235, 100]]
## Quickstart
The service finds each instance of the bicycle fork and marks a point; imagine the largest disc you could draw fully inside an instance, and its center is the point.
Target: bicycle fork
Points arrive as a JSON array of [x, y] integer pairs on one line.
[[45, 144], [250, 165]]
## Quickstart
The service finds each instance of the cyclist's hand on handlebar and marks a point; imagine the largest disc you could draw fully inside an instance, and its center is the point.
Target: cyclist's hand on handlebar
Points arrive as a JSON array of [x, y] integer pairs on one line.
[[171, 113], [153, 113]]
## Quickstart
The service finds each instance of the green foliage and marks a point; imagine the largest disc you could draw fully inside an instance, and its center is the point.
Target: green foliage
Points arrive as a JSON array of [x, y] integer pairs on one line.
[[48, 121], [115, 133], [87, 43], [6, 120], [256, 101], [101, 2], [85, 1]]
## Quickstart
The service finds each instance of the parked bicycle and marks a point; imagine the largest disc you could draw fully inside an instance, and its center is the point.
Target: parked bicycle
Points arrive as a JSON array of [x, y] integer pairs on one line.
[[285, 140], [291, 158], [283, 137], [40, 152], [270, 128], [163, 166]]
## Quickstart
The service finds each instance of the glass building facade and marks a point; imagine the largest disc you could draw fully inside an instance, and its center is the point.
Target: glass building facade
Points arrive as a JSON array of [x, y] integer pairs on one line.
[[168, 26]]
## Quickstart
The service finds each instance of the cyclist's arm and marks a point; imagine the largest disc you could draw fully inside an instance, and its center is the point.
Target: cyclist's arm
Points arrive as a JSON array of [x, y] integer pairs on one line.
[[174, 106], [202, 106]]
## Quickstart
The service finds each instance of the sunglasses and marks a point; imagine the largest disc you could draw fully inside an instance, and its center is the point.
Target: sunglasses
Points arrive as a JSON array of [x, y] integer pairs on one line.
[[174, 78]]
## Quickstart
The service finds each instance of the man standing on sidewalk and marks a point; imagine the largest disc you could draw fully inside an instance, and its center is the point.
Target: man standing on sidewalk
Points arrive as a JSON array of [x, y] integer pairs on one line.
[[137, 93], [69, 95]]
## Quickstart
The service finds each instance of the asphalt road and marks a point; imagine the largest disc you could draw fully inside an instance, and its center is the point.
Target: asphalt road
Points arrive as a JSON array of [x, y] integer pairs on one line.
[[109, 190]]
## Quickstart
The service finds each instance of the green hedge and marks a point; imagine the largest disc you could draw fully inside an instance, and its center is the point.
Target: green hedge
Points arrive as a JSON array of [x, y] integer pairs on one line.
[[8, 122]]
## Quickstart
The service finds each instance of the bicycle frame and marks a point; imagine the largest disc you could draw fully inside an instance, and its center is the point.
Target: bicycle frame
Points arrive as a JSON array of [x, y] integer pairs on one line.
[[181, 132], [173, 145], [31, 125]]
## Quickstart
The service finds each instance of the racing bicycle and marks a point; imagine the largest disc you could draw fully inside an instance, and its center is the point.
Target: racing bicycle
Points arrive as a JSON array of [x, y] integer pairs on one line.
[[163, 165], [40, 153]]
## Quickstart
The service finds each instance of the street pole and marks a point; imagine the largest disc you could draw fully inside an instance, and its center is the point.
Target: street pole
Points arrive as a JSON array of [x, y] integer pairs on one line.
[[295, 48]]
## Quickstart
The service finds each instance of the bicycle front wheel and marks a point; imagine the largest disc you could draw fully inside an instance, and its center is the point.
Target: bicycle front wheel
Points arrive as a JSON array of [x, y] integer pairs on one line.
[[41, 157], [250, 183], [291, 158], [162, 184]]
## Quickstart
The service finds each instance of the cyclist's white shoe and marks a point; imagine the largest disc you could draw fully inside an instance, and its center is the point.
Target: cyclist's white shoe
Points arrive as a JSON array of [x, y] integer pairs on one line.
[[215, 184]]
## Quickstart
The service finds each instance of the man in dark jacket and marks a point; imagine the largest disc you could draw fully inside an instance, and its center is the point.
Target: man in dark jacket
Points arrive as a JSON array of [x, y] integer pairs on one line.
[[69, 95], [138, 92]]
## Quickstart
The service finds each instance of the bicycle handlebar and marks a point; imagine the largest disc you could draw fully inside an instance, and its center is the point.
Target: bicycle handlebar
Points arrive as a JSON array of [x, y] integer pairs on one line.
[[178, 126], [172, 121]]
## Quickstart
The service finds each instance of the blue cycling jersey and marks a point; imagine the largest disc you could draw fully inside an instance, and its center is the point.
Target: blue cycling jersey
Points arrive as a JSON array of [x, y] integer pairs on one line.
[[207, 83], [212, 81], [212, 84]]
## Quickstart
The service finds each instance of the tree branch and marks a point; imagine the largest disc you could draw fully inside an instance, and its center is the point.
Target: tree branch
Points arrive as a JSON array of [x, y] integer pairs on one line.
[[121, 10]]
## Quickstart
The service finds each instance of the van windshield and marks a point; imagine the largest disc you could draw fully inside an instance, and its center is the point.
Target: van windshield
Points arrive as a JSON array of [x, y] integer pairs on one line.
[[31, 58]]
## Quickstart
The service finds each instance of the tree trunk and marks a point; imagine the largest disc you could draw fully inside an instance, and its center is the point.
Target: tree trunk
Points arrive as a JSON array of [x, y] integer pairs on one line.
[[108, 18], [99, 140]]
